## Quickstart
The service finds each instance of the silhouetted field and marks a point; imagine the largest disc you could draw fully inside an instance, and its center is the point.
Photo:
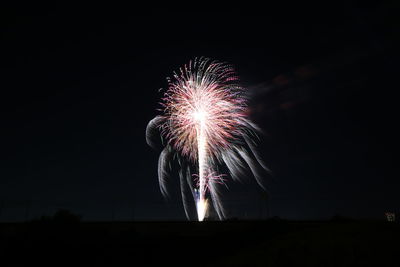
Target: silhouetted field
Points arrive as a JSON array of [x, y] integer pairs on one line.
[[238, 243]]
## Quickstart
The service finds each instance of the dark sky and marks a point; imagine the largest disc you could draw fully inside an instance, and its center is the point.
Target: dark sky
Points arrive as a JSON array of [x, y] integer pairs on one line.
[[78, 89]]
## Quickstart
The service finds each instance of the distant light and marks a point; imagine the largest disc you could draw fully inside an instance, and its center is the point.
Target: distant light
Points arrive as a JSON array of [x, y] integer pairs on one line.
[[390, 216]]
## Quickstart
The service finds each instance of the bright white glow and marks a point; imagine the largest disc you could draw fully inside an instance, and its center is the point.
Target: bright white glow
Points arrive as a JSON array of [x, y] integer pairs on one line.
[[200, 115], [201, 206]]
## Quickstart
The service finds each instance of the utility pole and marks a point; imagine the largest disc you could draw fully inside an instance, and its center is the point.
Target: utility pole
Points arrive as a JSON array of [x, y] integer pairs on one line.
[[113, 210], [1, 207], [133, 212], [27, 209], [265, 205]]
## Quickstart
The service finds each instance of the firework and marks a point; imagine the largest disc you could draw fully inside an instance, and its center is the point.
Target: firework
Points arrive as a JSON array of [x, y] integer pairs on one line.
[[204, 124]]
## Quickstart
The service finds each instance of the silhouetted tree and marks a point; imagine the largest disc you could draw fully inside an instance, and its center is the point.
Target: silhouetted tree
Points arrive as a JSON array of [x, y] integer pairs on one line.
[[66, 216]]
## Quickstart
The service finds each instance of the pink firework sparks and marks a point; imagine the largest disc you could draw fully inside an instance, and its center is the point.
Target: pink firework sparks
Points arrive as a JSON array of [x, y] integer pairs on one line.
[[206, 94], [204, 121], [210, 178]]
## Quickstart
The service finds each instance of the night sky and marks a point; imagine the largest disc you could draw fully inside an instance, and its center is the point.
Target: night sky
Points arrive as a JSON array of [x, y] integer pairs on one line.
[[78, 88]]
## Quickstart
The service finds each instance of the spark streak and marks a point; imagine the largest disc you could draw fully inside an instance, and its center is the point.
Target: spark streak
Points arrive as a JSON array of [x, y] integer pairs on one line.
[[201, 147]]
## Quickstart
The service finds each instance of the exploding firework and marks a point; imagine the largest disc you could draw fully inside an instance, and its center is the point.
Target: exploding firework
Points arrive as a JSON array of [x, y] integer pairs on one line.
[[204, 124]]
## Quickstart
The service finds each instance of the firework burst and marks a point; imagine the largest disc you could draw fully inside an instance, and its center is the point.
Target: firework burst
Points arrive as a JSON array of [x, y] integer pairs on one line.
[[204, 124]]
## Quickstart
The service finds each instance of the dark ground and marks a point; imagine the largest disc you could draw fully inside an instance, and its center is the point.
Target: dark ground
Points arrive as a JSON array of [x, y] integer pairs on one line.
[[238, 243]]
